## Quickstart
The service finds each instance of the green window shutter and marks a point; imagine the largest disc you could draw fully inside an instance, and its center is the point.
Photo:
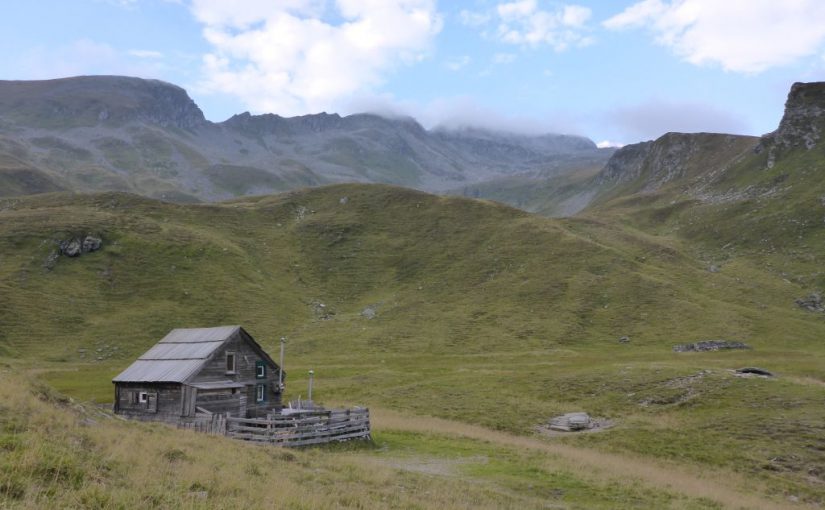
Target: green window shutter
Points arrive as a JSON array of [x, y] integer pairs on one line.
[[260, 369]]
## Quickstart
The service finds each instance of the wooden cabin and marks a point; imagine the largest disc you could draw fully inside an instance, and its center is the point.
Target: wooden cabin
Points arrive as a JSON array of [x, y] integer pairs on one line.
[[200, 370]]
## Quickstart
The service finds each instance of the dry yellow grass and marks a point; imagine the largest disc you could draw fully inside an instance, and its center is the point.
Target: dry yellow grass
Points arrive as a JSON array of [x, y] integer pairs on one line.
[[736, 493]]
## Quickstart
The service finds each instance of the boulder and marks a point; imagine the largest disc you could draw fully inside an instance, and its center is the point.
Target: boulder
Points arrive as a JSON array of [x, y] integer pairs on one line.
[[571, 422], [72, 247], [91, 243]]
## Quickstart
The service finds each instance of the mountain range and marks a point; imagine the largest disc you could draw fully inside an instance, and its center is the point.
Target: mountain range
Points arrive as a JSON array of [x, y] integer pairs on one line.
[[95, 133]]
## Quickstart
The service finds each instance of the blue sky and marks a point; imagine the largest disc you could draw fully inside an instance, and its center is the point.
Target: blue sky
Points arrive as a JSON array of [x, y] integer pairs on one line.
[[619, 71]]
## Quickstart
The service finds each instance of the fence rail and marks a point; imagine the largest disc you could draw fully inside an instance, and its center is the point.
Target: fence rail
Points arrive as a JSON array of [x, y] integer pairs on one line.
[[305, 428], [302, 428]]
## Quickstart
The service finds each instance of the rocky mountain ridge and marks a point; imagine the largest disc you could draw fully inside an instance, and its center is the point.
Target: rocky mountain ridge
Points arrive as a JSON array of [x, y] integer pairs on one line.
[[146, 136]]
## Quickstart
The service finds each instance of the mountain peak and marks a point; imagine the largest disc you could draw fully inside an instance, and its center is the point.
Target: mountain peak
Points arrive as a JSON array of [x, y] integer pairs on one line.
[[90, 100], [802, 123]]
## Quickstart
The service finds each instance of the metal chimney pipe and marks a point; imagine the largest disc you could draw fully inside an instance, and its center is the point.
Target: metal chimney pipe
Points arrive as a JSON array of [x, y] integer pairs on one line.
[[281, 366]]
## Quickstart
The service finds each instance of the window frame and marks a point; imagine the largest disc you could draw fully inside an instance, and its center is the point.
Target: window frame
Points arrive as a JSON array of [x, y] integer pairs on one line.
[[143, 397], [260, 393], [234, 367], [260, 369]]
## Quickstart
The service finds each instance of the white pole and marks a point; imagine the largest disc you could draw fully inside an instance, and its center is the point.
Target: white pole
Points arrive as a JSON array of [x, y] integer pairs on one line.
[[281, 366], [311, 376]]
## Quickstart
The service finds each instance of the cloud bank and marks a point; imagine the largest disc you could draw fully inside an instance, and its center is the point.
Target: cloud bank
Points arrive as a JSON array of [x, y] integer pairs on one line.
[[747, 36], [299, 56]]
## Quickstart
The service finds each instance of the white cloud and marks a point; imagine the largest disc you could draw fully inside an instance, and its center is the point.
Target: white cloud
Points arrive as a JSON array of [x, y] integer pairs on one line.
[[456, 112], [609, 144], [288, 57], [747, 36], [524, 23], [458, 63]]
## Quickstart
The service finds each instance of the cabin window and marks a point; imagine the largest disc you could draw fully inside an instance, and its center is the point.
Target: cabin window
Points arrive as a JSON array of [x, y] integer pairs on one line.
[[133, 397], [260, 393], [230, 362], [260, 369], [143, 397]]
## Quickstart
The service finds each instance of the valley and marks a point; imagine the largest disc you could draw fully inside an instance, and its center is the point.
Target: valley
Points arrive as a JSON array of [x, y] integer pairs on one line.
[[464, 324]]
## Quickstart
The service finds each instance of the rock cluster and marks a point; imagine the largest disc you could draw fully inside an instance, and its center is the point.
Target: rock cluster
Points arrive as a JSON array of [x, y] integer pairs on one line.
[[77, 246], [812, 303], [710, 345]]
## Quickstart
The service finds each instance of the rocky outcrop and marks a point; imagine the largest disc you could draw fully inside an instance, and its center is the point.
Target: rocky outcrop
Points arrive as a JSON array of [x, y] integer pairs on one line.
[[812, 303], [802, 123], [673, 156], [710, 345], [76, 246], [626, 164]]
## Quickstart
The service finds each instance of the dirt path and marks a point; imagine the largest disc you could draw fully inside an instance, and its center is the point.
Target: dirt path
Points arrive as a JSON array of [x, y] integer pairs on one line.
[[682, 480]]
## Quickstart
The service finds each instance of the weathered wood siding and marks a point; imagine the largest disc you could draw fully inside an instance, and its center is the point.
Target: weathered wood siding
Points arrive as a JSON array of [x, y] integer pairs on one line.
[[246, 358], [164, 403], [221, 401]]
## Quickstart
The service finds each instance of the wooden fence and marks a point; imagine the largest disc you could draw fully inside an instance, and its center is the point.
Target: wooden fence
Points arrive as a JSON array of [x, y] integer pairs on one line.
[[302, 428], [214, 424]]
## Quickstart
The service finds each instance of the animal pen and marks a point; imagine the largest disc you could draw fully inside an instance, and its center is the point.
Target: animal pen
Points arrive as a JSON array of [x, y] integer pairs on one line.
[[302, 428], [297, 429]]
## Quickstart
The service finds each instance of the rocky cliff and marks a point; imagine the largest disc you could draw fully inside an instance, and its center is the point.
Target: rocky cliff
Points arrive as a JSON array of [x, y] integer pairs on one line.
[[802, 123]]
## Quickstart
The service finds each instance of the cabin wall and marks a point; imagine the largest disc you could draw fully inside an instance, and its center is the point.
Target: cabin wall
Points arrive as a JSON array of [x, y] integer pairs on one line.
[[245, 373], [164, 403], [223, 401]]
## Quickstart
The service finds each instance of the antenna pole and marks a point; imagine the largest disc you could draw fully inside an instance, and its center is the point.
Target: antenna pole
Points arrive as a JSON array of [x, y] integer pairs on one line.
[[311, 377]]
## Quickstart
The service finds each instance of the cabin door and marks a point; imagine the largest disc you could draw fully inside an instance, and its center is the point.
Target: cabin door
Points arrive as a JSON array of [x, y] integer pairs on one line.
[[152, 402]]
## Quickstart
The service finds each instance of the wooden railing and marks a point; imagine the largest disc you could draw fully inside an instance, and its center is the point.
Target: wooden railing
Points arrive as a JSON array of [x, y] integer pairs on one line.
[[303, 428]]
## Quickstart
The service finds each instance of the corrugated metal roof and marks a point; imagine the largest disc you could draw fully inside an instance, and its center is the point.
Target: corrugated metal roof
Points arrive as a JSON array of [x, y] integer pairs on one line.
[[178, 356], [193, 335]]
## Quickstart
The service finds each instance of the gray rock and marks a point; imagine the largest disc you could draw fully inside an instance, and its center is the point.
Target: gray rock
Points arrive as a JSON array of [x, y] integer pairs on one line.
[[369, 312], [812, 303], [72, 247], [571, 422], [710, 345], [624, 340], [51, 260], [91, 243], [713, 268], [343, 200]]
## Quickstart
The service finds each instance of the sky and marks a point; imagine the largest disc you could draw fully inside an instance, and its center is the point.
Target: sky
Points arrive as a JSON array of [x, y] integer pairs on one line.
[[616, 71]]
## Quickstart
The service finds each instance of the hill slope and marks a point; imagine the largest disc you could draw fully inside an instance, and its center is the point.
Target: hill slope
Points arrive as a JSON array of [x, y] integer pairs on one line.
[[430, 305]]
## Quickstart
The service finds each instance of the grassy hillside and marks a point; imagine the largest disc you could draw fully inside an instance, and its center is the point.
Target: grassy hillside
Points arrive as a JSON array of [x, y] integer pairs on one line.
[[448, 307], [19, 178]]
